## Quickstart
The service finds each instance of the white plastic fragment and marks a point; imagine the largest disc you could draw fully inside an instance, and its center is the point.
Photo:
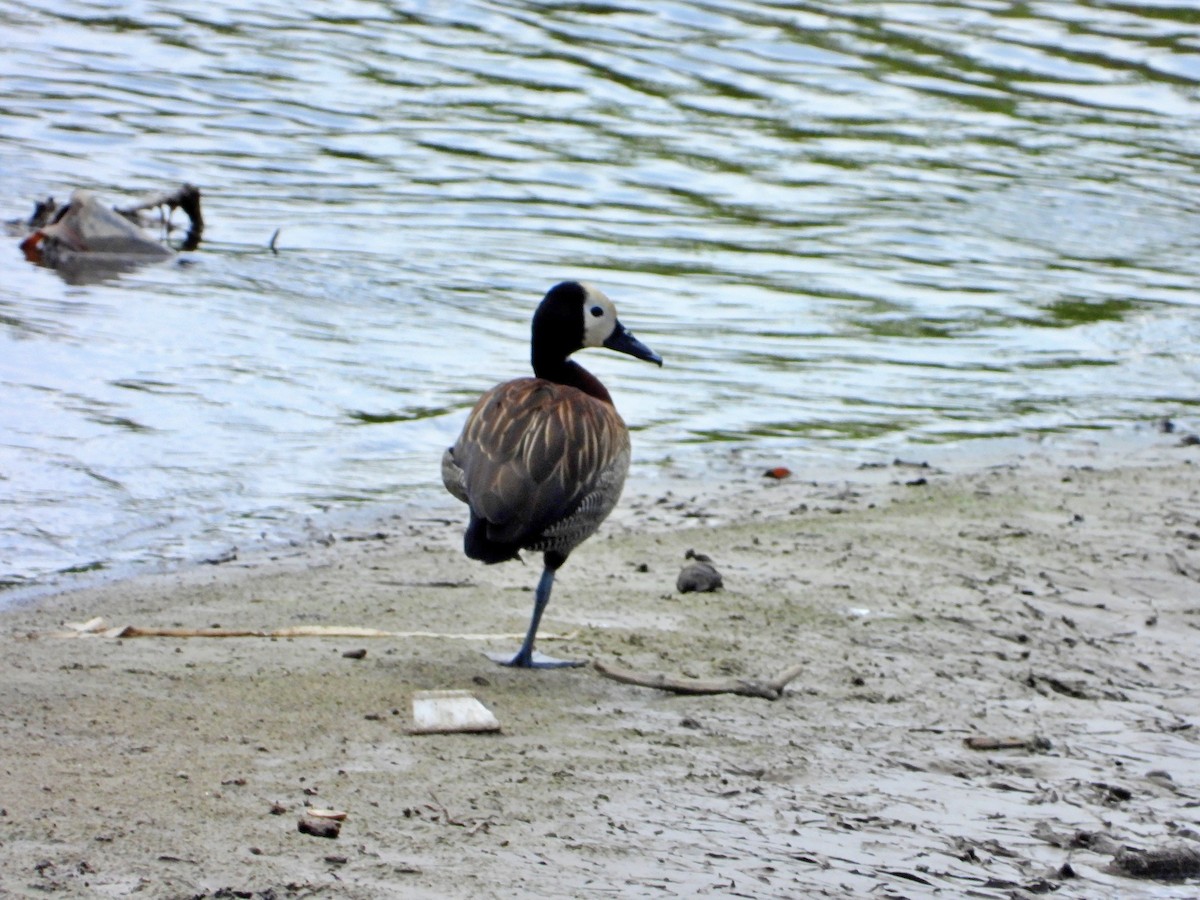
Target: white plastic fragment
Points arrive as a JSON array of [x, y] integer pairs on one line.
[[443, 712]]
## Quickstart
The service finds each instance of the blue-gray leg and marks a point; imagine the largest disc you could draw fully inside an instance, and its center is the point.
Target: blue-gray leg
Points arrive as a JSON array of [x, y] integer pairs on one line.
[[527, 657]]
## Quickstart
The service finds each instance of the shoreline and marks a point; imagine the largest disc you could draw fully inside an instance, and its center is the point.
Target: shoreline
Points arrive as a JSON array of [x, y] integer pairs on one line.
[[737, 469], [1051, 596]]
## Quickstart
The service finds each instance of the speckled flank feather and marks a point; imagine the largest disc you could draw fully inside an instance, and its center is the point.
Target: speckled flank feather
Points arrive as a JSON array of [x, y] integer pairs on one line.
[[541, 465]]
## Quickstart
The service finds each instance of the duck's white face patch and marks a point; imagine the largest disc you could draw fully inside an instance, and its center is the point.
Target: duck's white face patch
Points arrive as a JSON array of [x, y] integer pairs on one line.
[[599, 317]]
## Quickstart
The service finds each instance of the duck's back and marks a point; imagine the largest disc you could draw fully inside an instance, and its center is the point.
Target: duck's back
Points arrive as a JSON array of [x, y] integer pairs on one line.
[[541, 465]]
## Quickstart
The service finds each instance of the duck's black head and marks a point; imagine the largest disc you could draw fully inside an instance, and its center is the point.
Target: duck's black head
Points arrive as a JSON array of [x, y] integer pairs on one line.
[[574, 315]]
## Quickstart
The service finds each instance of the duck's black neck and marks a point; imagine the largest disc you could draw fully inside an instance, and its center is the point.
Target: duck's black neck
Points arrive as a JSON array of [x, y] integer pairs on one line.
[[571, 373]]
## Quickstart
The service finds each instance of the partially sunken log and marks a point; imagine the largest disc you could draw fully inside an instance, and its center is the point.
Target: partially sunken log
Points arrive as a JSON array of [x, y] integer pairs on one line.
[[86, 239]]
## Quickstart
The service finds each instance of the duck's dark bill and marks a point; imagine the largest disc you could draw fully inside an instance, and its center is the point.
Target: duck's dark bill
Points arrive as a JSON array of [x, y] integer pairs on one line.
[[623, 341]]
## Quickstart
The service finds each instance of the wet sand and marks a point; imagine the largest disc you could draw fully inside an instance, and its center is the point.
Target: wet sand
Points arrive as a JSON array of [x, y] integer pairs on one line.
[[1053, 600]]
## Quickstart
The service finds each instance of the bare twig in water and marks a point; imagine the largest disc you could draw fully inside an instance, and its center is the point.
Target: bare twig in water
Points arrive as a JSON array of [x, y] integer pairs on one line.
[[274, 238], [771, 689]]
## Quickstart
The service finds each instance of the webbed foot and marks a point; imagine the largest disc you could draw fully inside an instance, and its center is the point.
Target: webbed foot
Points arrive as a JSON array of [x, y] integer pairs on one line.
[[534, 660]]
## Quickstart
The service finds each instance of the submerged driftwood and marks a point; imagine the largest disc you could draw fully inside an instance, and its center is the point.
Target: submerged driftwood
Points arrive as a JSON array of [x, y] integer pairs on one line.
[[85, 239]]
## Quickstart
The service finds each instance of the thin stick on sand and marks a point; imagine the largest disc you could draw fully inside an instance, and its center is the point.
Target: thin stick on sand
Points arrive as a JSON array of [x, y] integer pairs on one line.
[[771, 689]]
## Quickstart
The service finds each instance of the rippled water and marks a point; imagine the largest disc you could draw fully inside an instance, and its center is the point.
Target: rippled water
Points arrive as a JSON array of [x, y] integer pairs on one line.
[[846, 226]]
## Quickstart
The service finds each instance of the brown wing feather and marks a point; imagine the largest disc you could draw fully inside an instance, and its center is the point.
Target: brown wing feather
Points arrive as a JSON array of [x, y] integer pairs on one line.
[[532, 452]]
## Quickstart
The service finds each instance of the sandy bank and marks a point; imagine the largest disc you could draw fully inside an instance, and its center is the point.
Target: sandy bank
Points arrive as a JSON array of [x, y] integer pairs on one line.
[[1055, 600]]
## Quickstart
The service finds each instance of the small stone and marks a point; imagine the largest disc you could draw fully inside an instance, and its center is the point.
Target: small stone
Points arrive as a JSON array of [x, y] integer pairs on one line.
[[699, 577]]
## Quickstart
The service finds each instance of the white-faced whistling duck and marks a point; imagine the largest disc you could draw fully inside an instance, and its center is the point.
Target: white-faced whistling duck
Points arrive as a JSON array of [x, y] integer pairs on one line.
[[541, 461]]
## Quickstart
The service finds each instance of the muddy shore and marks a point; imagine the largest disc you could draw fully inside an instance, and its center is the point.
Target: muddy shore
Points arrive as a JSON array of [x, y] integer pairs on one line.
[[1000, 696]]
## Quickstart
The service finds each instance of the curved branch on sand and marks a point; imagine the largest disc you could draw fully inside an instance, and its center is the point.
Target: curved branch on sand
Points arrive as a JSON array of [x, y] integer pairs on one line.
[[771, 689]]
